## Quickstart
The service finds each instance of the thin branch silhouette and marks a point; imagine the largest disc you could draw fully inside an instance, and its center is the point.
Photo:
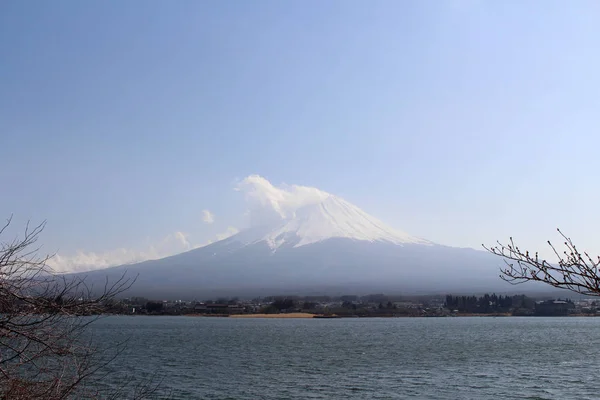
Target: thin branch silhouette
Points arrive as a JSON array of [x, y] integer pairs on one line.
[[46, 351], [574, 271]]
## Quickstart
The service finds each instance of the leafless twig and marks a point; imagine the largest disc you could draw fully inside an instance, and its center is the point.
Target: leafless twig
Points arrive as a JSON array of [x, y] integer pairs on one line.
[[574, 271], [45, 352]]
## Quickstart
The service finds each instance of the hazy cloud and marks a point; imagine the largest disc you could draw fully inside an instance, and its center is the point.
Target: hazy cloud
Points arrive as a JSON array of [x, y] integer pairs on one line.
[[172, 244], [86, 261], [208, 217], [229, 232]]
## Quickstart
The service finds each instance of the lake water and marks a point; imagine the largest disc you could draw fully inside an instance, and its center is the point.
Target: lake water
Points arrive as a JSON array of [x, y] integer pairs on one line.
[[370, 358]]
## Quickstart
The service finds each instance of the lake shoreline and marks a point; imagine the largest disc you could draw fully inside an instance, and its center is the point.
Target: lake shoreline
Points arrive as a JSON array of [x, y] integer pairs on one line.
[[318, 316]]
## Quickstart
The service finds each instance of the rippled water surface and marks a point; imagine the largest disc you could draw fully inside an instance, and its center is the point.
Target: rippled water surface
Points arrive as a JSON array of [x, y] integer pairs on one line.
[[371, 358]]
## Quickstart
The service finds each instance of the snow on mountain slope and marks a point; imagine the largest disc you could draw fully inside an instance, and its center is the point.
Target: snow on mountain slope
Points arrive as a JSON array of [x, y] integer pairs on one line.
[[332, 217], [308, 247]]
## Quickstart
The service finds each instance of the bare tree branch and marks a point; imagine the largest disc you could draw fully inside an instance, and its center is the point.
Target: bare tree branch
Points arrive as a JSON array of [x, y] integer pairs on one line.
[[574, 271], [45, 351]]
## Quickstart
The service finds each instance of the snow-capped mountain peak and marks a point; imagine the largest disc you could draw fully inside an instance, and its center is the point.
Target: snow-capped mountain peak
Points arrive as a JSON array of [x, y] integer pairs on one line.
[[305, 240], [333, 217]]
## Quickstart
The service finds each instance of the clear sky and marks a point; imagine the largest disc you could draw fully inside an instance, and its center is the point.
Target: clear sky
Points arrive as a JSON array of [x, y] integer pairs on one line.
[[126, 124]]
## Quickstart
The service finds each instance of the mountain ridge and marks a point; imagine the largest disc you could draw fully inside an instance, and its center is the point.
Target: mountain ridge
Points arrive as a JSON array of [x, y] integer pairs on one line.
[[327, 243]]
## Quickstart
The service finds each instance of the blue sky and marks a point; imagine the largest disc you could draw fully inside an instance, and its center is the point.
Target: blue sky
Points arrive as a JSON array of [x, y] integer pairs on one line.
[[459, 121]]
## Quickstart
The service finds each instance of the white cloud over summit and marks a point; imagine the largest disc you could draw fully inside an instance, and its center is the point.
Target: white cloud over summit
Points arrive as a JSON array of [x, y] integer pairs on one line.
[[266, 201]]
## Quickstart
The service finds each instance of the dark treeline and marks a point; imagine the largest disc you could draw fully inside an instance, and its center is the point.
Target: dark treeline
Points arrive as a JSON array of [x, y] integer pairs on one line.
[[369, 298], [361, 306], [489, 303]]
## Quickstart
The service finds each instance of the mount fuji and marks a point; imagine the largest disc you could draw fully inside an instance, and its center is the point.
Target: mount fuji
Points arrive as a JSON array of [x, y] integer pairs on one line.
[[327, 245]]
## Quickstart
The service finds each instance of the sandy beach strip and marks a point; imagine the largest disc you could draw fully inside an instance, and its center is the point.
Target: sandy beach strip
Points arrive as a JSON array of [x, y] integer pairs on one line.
[[289, 315]]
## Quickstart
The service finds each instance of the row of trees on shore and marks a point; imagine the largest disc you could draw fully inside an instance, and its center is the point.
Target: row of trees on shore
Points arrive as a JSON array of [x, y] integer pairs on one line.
[[487, 303]]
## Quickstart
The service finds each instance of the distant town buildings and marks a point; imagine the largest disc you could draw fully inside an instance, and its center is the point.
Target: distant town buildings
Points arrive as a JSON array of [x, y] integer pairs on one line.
[[377, 305]]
